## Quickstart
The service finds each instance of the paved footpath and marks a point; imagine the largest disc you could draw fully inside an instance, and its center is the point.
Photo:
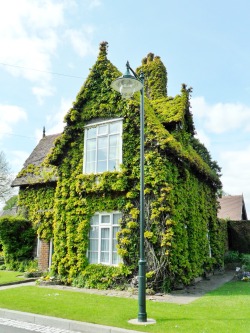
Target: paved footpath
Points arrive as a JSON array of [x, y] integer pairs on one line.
[[31, 327], [45, 324]]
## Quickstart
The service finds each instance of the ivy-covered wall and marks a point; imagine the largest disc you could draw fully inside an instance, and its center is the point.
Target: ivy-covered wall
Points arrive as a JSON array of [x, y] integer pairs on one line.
[[181, 186], [36, 203]]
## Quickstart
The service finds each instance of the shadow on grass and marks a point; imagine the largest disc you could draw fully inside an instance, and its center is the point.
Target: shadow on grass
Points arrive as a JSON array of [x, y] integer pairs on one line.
[[232, 288]]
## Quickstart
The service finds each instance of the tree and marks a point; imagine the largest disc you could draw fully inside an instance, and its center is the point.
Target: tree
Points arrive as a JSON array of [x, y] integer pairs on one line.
[[5, 179]]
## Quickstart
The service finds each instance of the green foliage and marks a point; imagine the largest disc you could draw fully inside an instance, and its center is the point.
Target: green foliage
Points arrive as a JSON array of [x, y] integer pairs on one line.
[[36, 204], [17, 238], [155, 76], [232, 257], [181, 187], [245, 260], [21, 265], [102, 277]]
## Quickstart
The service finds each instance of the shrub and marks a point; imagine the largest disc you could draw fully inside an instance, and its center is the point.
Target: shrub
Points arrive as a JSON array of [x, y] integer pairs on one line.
[[102, 277], [17, 238], [245, 260], [232, 257]]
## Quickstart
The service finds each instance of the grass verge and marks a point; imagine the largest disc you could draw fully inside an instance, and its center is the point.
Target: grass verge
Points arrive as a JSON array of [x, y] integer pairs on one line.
[[224, 310], [10, 277]]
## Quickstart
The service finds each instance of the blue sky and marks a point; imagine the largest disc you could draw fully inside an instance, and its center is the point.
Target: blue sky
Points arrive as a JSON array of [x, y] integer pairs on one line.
[[48, 47]]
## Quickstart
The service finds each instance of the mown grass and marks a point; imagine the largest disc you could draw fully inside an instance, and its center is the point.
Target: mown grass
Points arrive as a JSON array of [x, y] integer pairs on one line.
[[9, 277], [224, 310]]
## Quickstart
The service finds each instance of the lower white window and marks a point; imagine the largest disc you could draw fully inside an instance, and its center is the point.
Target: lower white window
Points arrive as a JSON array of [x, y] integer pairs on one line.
[[102, 238]]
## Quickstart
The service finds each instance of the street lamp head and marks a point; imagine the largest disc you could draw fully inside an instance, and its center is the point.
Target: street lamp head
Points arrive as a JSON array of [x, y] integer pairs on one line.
[[127, 84]]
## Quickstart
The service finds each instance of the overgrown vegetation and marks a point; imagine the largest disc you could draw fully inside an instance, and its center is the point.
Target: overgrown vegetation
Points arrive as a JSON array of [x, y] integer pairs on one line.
[[239, 259], [181, 186], [17, 237]]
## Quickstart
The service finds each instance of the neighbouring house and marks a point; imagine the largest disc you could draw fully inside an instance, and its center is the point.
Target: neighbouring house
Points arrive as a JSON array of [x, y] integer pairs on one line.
[[232, 207], [81, 188], [233, 210]]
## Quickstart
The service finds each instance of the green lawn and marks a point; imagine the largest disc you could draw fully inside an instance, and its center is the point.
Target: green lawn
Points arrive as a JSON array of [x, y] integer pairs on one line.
[[9, 277], [225, 310]]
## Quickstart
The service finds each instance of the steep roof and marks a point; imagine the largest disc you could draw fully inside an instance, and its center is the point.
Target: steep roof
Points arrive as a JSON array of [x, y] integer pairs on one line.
[[96, 99], [32, 168], [232, 207], [9, 212]]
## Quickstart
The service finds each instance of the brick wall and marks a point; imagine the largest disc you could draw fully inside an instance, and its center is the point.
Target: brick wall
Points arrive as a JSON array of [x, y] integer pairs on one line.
[[43, 258]]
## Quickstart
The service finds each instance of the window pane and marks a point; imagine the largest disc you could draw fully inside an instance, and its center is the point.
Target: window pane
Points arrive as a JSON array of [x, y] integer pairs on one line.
[[105, 219], [102, 142], [105, 257], [91, 144], [115, 127], [93, 257], [113, 153], [115, 259], [90, 167], [113, 165], [93, 232], [93, 245], [102, 154], [91, 156], [102, 129], [105, 232], [116, 218], [94, 220], [113, 140], [101, 166], [91, 132], [104, 245]]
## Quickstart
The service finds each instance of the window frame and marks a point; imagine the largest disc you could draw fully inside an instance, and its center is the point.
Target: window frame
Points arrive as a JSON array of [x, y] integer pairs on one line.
[[112, 241], [97, 125]]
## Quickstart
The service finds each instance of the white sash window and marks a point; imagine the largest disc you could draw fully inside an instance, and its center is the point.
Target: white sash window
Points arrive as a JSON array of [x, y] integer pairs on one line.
[[102, 239], [103, 147]]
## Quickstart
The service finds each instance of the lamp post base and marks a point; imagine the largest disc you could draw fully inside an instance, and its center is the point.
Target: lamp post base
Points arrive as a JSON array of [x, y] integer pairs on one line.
[[149, 321]]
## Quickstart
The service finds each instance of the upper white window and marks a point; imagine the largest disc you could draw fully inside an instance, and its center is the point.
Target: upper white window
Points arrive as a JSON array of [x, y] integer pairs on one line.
[[103, 147], [102, 239]]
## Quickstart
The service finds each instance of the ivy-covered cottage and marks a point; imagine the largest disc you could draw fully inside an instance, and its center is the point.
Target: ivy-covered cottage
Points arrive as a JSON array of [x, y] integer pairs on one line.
[[81, 188]]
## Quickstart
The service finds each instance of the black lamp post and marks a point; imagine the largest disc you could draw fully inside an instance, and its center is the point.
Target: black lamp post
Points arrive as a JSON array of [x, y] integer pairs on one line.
[[127, 85]]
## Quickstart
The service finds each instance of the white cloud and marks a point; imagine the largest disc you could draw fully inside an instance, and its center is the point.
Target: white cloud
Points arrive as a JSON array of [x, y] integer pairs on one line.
[[81, 40], [203, 137], [94, 3], [18, 158], [55, 123], [9, 116], [223, 128], [29, 38], [56, 120], [236, 173], [41, 92], [30, 34], [221, 117]]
